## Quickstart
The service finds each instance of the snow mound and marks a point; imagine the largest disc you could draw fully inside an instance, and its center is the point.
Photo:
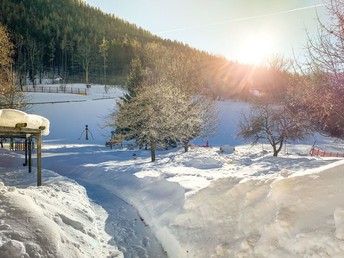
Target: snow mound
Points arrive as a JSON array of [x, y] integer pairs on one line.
[[11, 117], [54, 220], [203, 163], [228, 149], [297, 216], [14, 249], [201, 159]]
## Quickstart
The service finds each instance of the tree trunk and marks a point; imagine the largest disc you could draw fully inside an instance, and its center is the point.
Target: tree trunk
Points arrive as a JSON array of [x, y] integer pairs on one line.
[[186, 146], [153, 151], [104, 70], [277, 150], [86, 76]]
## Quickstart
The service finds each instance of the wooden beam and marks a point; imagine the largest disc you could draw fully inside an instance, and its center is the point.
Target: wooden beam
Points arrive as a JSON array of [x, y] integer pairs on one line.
[[21, 130], [21, 125], [17, 132]]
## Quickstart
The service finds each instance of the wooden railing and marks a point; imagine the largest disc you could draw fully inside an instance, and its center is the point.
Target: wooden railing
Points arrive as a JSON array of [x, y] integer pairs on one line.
[[20, 146]]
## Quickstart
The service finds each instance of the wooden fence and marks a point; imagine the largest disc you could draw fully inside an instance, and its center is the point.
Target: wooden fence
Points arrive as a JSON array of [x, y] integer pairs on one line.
[[53, 89], [20, 146]]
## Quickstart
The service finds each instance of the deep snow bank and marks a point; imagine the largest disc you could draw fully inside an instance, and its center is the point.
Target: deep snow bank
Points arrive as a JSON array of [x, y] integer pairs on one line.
[[54, 220], [10, 117], [299, 216]]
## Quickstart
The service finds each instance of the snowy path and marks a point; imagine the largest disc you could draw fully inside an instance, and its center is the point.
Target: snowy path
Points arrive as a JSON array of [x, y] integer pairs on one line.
[[129, 231]]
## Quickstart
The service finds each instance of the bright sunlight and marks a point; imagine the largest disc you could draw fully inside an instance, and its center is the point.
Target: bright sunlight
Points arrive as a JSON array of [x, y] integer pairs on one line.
[[255, 48]]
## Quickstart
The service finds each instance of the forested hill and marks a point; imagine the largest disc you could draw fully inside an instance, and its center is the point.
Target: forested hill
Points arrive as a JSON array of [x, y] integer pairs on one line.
[[60, 38], [70, 40]]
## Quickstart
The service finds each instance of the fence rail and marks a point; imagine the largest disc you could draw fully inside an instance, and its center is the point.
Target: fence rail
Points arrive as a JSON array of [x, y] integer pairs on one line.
[[20, 146], [320, 153], [57, 89]]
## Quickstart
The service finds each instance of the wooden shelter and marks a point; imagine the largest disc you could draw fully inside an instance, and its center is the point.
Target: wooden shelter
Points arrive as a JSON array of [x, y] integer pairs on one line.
[[20, 131]]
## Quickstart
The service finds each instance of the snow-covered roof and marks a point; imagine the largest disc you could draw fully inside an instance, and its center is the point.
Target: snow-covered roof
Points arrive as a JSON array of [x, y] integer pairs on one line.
[[11, 117]]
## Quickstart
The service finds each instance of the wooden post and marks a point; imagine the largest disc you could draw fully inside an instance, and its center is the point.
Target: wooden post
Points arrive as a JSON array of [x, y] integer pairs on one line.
[[39, 159], [30, 158], [26, 147]]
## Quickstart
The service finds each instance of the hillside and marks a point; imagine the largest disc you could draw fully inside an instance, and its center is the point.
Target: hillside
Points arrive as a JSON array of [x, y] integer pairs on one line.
[[74, 42], [58, 38]]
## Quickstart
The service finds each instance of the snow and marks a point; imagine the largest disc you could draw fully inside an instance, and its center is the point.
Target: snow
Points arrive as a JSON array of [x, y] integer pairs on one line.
[[241, 202], [10, 117], [55, 220]]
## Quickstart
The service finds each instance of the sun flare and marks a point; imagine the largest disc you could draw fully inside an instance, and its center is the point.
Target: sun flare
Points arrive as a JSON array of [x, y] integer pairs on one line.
[[255, 48]]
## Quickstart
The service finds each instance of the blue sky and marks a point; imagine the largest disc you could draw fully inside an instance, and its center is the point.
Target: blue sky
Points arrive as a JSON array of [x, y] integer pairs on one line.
[[245, 30]]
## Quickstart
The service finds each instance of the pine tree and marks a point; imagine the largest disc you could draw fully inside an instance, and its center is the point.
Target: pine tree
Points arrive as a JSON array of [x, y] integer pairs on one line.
[[103, 50]]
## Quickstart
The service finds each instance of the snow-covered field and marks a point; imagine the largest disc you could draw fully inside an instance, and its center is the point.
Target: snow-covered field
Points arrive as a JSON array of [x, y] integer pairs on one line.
[[202, 203]]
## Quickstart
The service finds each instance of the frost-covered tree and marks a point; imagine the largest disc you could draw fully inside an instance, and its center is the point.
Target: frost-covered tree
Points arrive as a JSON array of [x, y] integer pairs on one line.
[[161, 113], [274, 124], [134, 81], [165, 106], [10, 95], [150, 115]]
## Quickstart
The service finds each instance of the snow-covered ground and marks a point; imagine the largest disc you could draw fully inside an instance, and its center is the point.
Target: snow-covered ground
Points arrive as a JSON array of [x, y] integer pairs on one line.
[[202, 203], [54, 220]]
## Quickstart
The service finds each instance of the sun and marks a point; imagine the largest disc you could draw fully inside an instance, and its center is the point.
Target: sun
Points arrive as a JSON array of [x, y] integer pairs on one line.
[[255, 48]]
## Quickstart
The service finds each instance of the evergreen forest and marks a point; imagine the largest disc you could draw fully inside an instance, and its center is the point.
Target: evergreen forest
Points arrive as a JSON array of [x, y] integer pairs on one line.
[[67, 38], [71, 41]]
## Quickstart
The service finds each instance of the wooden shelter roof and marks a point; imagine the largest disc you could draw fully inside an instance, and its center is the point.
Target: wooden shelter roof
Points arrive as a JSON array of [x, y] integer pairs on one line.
[[20, 131]]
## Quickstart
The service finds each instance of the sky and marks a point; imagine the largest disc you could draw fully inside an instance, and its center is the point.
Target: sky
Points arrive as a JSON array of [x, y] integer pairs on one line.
[[247, 31]]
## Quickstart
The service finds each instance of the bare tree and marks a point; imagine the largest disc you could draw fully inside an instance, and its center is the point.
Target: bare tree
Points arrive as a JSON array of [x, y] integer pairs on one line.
[[274, 79], [86, 55], [275, 124], [321, 90]]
